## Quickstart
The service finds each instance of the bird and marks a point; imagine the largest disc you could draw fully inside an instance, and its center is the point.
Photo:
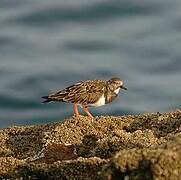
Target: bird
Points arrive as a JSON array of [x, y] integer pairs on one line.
[[88, 93]]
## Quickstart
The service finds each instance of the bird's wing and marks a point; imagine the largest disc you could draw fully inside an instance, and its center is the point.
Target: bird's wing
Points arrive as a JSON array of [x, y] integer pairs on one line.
[[87, 92], [64, 95], [92, 92]]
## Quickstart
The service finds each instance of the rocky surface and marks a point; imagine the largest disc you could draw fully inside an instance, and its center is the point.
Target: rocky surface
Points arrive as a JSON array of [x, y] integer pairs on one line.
[[146, 146]]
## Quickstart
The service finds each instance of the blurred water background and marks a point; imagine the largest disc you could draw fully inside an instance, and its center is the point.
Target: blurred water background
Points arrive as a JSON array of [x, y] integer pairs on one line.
[[48, 45]]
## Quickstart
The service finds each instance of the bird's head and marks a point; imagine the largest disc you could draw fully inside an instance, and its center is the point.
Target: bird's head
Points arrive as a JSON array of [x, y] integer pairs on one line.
[[115, 84]]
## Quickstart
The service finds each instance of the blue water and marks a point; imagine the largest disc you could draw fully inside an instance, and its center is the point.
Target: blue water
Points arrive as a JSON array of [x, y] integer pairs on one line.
[[48, 45]]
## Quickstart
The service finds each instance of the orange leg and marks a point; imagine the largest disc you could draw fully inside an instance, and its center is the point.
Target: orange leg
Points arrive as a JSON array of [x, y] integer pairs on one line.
[[76, 111], [88, 113]]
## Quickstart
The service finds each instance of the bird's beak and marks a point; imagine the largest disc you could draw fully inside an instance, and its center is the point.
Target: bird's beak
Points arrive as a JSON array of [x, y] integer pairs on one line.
[[122, 87]]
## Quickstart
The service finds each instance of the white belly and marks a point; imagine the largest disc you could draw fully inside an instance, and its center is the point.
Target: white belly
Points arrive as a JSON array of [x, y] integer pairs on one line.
[[100, 102]]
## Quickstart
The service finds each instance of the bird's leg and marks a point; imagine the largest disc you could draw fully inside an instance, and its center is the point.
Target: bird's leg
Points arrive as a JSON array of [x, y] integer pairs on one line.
[[76, 111], [85, 108]]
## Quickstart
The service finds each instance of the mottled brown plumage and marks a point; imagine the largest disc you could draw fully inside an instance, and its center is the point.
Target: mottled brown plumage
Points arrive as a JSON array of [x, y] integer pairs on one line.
[[88, 93]]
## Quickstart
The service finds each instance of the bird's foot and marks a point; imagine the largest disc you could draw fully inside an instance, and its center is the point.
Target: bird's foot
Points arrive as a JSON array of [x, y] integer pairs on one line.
[[91, 117]]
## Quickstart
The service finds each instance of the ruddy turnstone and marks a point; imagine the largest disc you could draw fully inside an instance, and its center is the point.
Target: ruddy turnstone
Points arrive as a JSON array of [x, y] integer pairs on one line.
[[88, 93]]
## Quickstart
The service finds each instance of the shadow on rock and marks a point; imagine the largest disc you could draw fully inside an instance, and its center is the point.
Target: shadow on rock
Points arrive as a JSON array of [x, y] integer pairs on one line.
[[160, 124]]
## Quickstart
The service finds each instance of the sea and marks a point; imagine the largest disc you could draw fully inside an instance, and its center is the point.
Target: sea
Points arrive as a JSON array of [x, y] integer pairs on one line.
[[48, 45]]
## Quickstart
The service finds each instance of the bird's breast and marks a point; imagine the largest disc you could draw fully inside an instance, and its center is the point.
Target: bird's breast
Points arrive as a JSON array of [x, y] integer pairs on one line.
[[111, 96], [100, 102]]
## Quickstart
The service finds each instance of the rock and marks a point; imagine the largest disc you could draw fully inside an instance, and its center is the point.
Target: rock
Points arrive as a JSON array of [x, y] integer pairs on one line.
[[146, 146]]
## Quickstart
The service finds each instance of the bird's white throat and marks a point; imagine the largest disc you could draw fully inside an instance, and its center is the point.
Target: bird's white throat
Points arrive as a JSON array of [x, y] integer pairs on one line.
[[117, 90]]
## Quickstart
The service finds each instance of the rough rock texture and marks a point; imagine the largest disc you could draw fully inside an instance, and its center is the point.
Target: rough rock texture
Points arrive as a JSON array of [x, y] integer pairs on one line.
[[144, 146]]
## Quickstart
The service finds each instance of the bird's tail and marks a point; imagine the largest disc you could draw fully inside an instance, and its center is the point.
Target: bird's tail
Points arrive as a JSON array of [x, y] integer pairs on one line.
[[47, 99]]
